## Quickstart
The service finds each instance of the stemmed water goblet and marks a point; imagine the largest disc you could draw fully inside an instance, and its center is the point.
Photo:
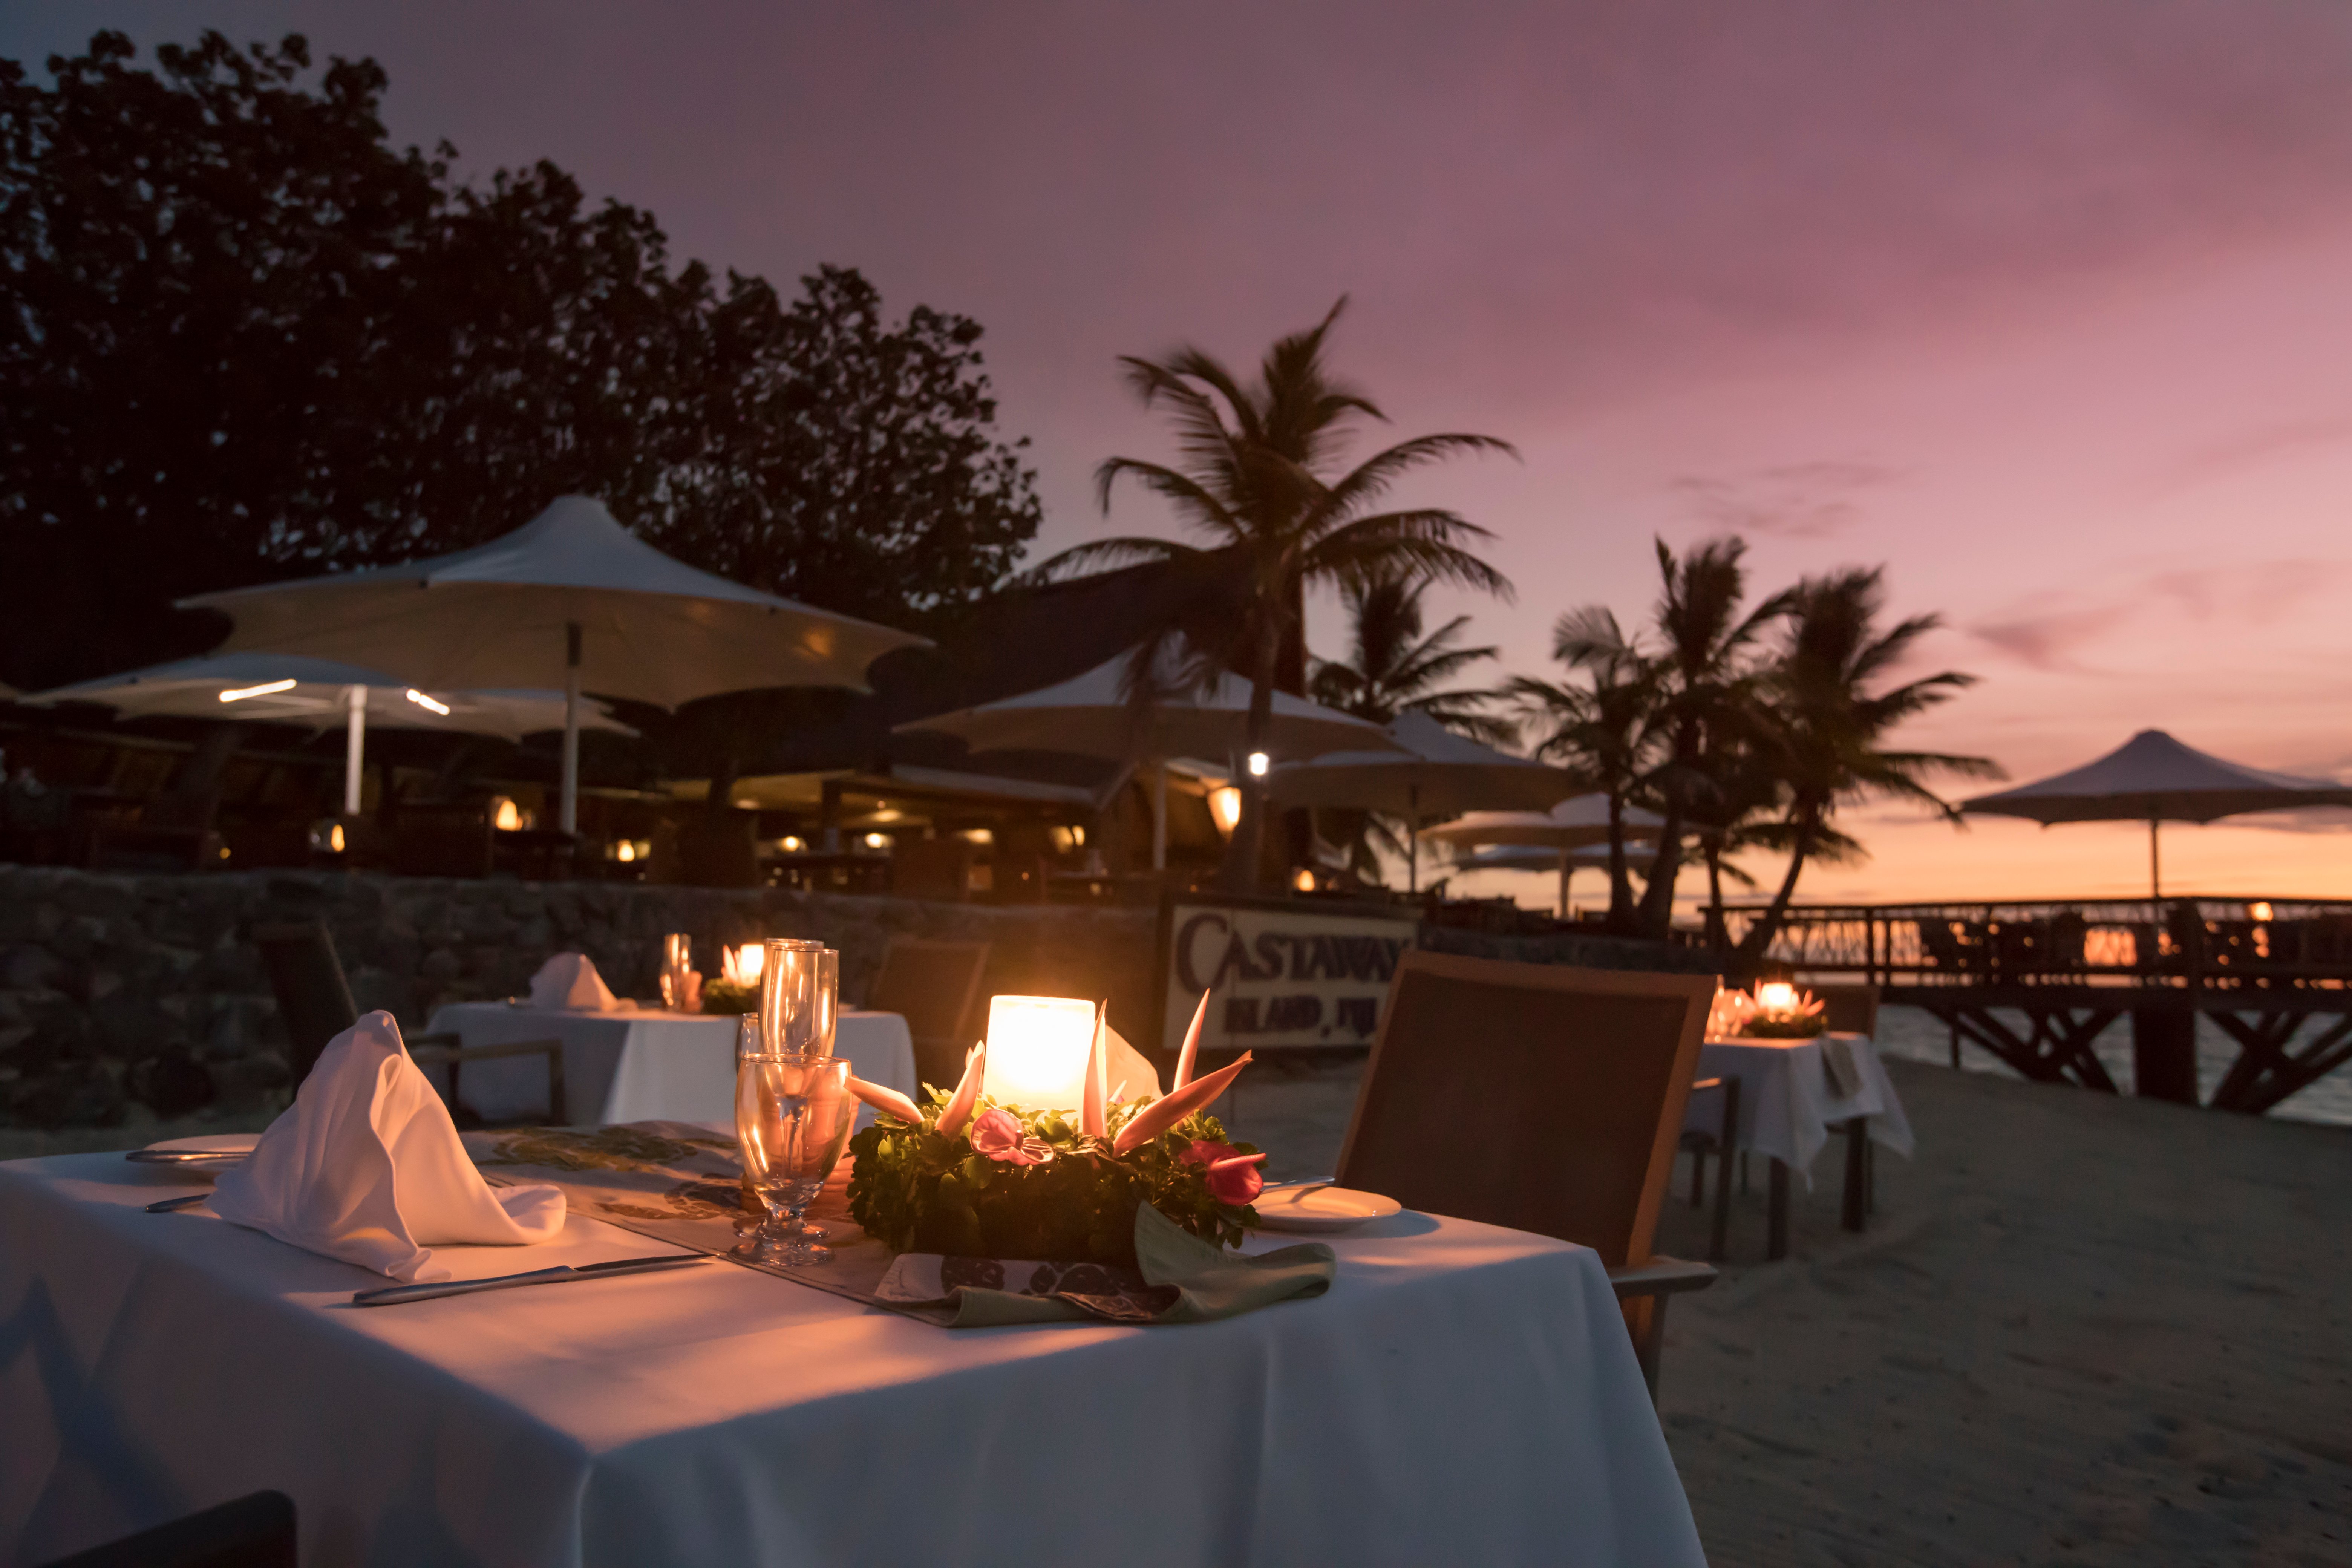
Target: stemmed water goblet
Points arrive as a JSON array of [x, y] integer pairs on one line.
[[793, 1113]]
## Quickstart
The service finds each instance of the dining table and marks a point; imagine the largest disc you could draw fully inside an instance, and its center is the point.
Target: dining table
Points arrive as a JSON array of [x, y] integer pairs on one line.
[[1793, 1094], [1461, 1393], [642, 1064]]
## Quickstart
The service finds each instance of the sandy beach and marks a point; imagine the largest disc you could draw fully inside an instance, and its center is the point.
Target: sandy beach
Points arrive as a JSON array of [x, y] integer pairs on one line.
[[2080, 1331]]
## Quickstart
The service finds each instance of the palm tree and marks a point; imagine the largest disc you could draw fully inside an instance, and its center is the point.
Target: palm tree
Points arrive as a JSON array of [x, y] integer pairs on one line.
[[1828, 729], [1706, 697], [1254, 476], [1605, 730], [1393, 667]]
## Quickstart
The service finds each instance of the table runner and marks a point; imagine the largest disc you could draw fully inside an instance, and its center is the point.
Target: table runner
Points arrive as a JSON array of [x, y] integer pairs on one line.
[[1463, 1394]]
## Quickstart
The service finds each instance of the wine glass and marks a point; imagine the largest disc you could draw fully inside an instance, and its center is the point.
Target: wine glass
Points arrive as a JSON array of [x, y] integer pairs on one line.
[[677, 959], [800, 984], [793, 1117]]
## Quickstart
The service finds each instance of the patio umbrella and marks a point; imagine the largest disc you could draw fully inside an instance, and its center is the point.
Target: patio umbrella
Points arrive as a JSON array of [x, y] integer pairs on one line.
[[569, 600], [1528, 858], [1433, 773], [2154, 779], [1571, 825], [1091, 716], [279, 688]]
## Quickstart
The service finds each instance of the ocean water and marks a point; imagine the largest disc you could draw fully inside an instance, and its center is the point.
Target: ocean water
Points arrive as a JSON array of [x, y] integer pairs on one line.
[[1919, 1035]]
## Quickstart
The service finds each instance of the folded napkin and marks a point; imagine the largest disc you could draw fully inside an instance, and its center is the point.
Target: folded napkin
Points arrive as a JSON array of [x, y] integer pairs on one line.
[[570, 981], [365, 1166], [1837, 1060], [1180, 1278]]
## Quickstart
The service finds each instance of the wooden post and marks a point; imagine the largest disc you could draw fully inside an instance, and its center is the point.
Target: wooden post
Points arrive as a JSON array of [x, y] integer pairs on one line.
[[2164, 1054]]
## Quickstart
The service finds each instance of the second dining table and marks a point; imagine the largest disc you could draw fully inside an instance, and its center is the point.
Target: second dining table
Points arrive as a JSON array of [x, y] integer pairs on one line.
[[642, 1064]]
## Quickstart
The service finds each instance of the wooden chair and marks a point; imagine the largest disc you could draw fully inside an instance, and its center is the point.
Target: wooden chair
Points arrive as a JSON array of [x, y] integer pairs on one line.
[[1542, 1097], [257, 1530], [1698, 1143], [315, 1003], [935, 987]]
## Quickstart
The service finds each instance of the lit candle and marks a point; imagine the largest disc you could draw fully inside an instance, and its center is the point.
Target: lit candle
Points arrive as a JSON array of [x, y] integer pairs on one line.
[[1777, 1000], [1038, 1047], [741, 966]]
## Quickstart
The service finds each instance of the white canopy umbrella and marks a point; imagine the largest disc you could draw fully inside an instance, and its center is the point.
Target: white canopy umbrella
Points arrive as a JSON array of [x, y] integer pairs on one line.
[[570, 599], [1091, 716], [2154, 778], [279, 689], [1530, 858], [1571, 825], [1433, 773]]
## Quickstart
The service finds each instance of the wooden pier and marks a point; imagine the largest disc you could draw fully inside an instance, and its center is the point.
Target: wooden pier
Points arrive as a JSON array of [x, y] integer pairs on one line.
[[2275, 974]]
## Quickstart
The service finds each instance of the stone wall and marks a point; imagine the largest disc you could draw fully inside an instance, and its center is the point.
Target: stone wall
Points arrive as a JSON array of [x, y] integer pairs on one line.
[[123, 989]]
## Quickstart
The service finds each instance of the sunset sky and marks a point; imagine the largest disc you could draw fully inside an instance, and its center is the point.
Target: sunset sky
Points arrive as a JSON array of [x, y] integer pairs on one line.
[[2043, 306]]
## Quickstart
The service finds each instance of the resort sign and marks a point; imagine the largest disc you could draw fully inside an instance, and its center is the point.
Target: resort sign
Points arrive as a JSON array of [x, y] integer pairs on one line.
[[1284, 973]]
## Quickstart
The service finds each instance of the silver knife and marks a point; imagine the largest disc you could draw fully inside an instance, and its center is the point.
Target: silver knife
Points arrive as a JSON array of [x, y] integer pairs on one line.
[[393, 1295]]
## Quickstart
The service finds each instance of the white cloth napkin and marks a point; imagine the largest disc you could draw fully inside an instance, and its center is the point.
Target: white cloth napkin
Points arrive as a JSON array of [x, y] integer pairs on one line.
[[365, 1166], [568, 981]]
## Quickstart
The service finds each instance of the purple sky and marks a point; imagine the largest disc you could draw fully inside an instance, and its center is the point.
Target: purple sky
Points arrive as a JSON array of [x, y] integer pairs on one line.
[[2042, 305]]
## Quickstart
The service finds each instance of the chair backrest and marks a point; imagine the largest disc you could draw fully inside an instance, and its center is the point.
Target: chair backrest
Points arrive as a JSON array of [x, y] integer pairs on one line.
[[1849, 1009], [313, 999], [935, 985], [1534, 1096]]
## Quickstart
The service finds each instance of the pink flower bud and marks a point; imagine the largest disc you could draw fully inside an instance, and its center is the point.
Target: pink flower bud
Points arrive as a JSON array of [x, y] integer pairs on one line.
[[888, 1101], [1158, 1116], [967, 1094], [1192, 1045]]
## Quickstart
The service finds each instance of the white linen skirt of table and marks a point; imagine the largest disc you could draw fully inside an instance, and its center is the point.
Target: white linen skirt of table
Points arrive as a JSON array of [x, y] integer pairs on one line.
[[1461, 1395], [643, 1065], [1787, 1103]]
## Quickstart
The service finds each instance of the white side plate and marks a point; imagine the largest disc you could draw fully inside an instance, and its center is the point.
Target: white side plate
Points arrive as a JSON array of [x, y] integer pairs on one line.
[[213, 1152], [1313, 1208]]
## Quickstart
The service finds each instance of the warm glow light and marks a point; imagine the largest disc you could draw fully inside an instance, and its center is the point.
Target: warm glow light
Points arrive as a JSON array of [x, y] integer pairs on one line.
[[427, 703], [1777, 999], [978, 836], [1037, 1050], [877, 840], [742, 965], [505, 815], [2260, 911], [886, 813], [1304, 881], [790, 844], [335, 838], [1225, 807], [243, 692], [745, 802], [1258, 763], [625, 850]]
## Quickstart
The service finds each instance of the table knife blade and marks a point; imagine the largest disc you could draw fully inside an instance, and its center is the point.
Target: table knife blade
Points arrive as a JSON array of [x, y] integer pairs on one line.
[[394, 1295]]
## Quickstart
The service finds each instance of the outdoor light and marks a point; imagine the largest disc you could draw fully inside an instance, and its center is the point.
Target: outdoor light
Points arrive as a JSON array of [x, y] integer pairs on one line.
[[1225, 807], [2260, 911], [427, 703], [1304, 881], [745, 802], [790, 844], [978, 836], [1258, 763], [878, 841], [241, 693], [1037, 1051], [505, 815], [625, 850], [335, 838]]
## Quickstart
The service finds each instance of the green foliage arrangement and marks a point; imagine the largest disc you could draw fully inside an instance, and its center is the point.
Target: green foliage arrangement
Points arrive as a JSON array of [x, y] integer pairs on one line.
[[725, 998], [920, 1192]]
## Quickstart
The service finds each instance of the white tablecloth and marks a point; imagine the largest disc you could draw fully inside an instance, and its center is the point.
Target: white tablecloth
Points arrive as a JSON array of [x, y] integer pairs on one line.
[[643, 1066], [1788, 1103], [1461, 1395]]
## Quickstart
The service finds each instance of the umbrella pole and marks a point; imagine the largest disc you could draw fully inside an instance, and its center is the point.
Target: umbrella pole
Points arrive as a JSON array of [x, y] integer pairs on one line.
[[354, 746], [1565, 871], [2154, 866], [1160, 814], [1413, 840], [569, 819]]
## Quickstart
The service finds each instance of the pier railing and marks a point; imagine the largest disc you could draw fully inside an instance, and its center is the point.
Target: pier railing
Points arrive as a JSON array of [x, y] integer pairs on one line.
[[2196, 943]]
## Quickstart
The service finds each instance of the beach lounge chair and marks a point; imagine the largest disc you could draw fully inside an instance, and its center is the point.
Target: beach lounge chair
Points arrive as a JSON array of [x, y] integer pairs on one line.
[[935, 987], [1539, 1097], [315, 1003]]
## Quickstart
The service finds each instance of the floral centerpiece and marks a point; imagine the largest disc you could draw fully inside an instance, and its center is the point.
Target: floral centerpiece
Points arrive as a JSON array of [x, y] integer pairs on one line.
[[974, 1175], [1772, 1010], [737, 989]]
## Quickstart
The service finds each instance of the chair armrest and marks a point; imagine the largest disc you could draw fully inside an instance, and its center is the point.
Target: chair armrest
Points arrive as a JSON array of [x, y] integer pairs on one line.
[[1661, 1277]]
